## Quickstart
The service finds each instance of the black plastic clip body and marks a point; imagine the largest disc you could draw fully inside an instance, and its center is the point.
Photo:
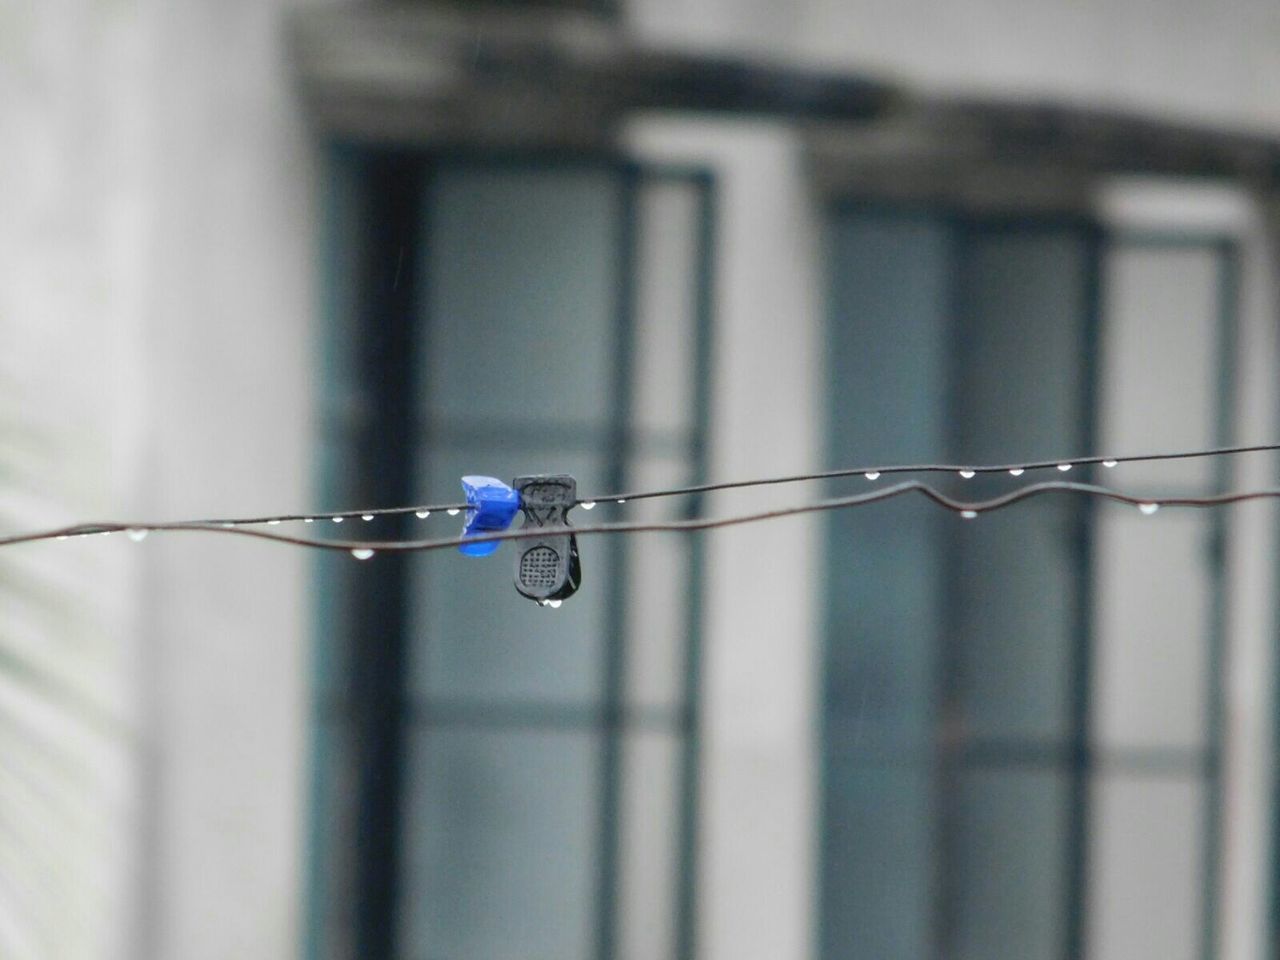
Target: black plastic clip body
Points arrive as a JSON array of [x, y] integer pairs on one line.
[[547, 568]]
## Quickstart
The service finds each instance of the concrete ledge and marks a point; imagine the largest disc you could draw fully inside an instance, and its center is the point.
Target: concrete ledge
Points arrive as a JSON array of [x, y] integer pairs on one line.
[[554, 78]]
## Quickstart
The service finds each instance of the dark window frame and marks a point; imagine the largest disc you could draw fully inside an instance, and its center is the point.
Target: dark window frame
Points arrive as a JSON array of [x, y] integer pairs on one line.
[[1083, 756], [370, 696]]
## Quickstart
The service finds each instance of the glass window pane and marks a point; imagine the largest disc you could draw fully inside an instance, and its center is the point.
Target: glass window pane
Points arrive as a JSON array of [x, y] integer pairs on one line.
[[1024, 316], [473, 638], [499, 845], [1159, 385], [1145, 865], [332, 660], [888, 339], [657, 621], [1153, 617], [659, 567], [333, 822], [1011, 865], [1016, 579], [884, 615], [521, 294], [666, 301], [877, 862], [648, 845], [341, 401], [887, 384], [658, 624]]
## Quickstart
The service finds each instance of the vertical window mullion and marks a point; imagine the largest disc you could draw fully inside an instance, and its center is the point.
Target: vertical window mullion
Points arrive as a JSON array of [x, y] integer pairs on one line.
[[690, 753], [615, 630], [1224, 435], [947, 737], [376, 615], [1081, 754]]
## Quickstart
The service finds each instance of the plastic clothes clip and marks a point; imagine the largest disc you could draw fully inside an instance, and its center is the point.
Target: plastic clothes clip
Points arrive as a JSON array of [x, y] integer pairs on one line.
[[491, 506], [547, 568]]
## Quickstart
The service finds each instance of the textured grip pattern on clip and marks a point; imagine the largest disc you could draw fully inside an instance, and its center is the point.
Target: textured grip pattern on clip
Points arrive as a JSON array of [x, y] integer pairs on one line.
[[547, 568]]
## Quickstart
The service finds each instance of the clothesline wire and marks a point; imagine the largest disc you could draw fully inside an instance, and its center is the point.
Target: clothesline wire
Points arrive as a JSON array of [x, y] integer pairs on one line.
[[956, 468], [969, 509], [872, 472]]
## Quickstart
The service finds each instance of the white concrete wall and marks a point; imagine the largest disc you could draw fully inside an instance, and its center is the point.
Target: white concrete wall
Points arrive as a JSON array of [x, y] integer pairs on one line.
[[73, 196], [231, 347], [159, 248]]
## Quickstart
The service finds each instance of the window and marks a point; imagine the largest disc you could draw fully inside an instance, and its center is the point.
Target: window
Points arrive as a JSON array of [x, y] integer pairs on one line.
[[1158, 730], [1022, 725], [504, 316]]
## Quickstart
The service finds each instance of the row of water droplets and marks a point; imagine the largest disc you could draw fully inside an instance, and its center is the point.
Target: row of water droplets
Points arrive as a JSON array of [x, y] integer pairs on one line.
[[967, 473], [366, 553], [362, 553], [138, 534]]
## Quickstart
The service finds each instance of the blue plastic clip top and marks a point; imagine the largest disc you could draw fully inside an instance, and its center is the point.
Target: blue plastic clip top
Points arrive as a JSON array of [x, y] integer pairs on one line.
[[491, 506]]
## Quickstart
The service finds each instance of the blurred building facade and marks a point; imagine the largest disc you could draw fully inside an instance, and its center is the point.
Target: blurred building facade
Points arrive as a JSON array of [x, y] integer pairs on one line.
[[262, 255]]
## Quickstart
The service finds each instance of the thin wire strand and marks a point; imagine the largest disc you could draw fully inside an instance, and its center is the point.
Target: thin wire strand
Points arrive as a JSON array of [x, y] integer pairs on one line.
[[339, 515], [956, 468], [424, 510], [966, 508]]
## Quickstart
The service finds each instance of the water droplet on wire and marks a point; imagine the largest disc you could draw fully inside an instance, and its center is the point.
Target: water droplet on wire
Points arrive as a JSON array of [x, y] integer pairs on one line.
[[136, 535], [1017, 472], [422, 514], [453, 511], [362, 553], [273, 523], [1109, 463], [872, 474], [588, 504], [1148, 508], [1064, 467], [366, 517], [308, 519], [552, 604], [969, 514], [967, 474], [336, 519]]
